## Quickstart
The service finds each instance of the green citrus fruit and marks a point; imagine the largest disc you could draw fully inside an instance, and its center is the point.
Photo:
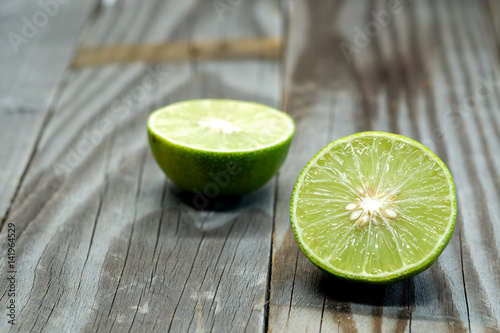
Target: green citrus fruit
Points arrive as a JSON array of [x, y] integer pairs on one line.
[[220, 147], [373, 207]]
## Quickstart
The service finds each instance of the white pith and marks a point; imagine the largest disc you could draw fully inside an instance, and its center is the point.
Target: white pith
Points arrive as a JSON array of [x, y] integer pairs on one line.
[[371, 206], [220, 125]]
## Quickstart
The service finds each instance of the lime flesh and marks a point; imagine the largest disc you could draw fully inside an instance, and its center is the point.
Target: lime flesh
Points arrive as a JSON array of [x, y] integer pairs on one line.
[[373, 207], [220, 147]]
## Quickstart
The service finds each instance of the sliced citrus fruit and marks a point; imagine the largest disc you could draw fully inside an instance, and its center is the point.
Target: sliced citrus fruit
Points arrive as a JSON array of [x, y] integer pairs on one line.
[[220, 147], [373, 207]]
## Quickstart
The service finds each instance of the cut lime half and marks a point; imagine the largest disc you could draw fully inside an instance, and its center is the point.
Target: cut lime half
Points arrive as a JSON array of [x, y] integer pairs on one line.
[[373, 207], [220, 147]]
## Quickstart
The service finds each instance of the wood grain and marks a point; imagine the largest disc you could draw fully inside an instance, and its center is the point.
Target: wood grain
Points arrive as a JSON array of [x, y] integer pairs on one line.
[[32, 74], [402, 79], [105, 242]]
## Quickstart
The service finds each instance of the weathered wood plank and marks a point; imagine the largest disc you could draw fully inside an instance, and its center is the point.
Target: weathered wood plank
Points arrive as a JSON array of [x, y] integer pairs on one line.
[[421, 62], [473, 100], [31, 73], [105, 242]]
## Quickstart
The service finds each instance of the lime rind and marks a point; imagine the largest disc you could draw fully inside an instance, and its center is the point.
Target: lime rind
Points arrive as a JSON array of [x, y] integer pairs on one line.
[[407, 270]]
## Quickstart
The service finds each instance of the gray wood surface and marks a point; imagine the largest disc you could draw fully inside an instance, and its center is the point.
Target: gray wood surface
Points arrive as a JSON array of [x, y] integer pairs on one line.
[[427, 61], [106, 243], [32, 76]]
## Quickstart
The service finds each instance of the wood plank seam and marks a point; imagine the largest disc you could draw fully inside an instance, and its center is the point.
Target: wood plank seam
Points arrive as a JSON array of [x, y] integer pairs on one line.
[[463, 279], [267, 303], [473, 178]]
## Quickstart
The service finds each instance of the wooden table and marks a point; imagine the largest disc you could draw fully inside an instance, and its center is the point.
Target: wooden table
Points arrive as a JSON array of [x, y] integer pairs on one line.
[[104, 242]]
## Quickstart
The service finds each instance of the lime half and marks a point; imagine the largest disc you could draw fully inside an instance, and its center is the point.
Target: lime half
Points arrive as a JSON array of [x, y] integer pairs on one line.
[[219, 147], [373, 207]]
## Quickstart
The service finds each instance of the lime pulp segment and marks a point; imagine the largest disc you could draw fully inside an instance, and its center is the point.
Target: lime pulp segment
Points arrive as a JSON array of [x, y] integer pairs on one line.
[[374, 207], [222, 125]]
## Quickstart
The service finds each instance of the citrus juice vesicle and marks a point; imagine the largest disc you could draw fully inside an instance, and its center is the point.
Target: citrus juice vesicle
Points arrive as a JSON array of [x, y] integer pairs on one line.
[[373, 207]]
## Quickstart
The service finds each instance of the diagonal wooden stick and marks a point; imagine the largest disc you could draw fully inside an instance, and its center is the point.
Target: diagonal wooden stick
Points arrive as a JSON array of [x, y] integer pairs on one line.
[[269, 48]]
